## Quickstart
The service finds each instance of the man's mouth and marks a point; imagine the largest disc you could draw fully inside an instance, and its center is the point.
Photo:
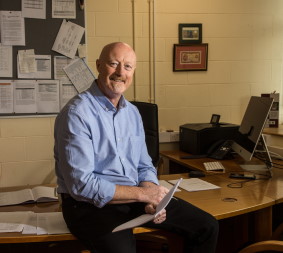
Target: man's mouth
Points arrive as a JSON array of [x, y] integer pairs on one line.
[[119, 80]]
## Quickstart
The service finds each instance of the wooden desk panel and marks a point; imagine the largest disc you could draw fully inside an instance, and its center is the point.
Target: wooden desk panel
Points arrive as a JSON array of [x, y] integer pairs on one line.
[[224, 202]]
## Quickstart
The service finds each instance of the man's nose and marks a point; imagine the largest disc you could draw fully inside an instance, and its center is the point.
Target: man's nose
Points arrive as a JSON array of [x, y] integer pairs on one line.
[[120, 69]]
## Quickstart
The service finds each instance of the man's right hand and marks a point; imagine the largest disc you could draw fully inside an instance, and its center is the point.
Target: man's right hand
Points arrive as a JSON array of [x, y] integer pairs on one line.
[[152, 193]]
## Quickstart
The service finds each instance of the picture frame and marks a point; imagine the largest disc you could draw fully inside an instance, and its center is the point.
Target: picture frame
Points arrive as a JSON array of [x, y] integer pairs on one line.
[[190, 33], [191, 57]]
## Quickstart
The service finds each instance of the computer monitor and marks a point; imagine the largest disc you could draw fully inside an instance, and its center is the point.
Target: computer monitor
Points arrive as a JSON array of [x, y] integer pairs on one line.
[[249, 138]]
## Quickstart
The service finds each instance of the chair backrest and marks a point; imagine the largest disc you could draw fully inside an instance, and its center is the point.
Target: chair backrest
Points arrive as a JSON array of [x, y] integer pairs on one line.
[[149, 114]]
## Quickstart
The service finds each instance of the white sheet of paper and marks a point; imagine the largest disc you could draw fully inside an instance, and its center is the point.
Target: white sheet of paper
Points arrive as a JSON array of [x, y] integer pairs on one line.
[[148, 217], [6, 61], [42, 220], [6, 96], [67, 91], [12, 221], [59, 63], [47, 96], [31, 224], [56, 223], [79, 74], [195, 184], [26, 61], [12, 27], [43, 68], [34, 9], [68, 39], [24, 96], [167, 185], [64, 9]]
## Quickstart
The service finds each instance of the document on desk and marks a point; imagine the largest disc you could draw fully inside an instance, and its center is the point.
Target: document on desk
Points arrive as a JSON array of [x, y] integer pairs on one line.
[[167, 185], [51, 223], [144, 218], [36, 194], [12, 221], [195, 184]]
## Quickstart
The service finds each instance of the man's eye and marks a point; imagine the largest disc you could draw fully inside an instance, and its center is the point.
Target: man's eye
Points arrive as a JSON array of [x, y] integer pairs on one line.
[[113, 64], [128, 67]]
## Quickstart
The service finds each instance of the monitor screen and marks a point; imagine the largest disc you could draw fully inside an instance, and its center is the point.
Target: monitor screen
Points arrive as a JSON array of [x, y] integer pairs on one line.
[[250, 130]]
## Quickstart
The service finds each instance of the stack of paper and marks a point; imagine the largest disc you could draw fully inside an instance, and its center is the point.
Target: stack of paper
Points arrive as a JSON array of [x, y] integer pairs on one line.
[[33, 223]]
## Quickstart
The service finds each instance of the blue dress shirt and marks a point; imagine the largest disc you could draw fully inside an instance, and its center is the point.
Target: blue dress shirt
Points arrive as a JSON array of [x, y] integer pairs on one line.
[[98, 146]]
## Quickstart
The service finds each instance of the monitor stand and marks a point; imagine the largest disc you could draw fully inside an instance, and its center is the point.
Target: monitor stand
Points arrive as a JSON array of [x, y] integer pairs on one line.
[[263, 163]]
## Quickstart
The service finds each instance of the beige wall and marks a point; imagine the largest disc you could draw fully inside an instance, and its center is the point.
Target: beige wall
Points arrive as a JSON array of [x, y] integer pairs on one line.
[[245, 53], [245, 58]]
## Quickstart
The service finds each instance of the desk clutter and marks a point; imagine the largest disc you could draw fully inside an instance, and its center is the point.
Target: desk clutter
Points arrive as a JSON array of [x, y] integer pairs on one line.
[[27, 222], [36, 194]]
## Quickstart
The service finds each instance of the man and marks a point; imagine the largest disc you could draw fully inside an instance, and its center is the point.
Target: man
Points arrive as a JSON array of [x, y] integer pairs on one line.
[[105, 175]]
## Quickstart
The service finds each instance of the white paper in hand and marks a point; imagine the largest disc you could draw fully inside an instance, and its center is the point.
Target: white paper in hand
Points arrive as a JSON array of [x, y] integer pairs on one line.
[[148, 217]]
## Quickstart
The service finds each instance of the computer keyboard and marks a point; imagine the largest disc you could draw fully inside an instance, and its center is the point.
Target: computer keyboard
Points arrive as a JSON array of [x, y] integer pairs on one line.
[[214, 166]]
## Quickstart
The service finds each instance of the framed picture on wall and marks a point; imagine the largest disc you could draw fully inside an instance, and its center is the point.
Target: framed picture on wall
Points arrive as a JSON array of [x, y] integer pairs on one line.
[[190, 33], [191, 57]]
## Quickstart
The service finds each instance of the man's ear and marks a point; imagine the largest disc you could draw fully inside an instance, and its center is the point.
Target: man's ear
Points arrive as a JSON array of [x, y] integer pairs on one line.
[[97, 64]]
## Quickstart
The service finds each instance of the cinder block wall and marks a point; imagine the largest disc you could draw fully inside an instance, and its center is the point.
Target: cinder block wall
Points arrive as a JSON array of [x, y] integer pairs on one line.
[[244, 59]]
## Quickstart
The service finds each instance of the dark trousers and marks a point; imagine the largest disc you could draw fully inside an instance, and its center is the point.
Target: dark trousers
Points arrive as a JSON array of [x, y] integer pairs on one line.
[[93, 225]]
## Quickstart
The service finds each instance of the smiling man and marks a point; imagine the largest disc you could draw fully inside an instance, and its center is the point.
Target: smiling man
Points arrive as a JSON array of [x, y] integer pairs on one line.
[[104, 173]]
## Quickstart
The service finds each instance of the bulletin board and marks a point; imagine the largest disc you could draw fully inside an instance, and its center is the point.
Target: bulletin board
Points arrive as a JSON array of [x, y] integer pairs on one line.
[[40, 34]]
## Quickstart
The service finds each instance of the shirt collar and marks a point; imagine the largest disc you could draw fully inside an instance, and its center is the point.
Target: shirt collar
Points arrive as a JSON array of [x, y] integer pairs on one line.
[[104, 101]]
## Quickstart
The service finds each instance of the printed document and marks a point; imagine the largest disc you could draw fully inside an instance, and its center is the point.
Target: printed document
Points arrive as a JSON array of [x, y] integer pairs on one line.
[[195, 184], [6, 61], [67, 91], [12, 221], [144, 218], [68, 39], [24, 96], [12, 28], [34, 9], [6, 96], [80, 74], [64, 9], [26, 61], [47, 96], [43, 68], [59, 63]]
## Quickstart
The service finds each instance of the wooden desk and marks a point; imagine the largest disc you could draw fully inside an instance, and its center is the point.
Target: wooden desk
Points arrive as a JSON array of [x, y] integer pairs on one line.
[[251, 211], [238, 211], [272, 188]]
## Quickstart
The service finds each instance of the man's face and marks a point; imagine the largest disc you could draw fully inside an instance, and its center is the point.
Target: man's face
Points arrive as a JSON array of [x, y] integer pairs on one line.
[[116, 68]]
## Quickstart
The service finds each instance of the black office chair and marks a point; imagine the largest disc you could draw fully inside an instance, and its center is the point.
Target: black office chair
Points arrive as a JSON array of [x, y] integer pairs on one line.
[[155, 239], [149, 114]]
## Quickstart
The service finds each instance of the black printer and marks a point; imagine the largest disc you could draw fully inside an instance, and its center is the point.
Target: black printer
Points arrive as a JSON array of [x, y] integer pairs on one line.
[[197, 138]]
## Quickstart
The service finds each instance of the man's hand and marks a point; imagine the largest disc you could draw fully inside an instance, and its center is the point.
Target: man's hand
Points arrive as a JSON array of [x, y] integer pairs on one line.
[[152, 193], [160, 217]]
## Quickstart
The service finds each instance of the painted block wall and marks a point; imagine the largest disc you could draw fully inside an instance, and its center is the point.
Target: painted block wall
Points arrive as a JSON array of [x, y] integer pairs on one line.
[[244, 58]]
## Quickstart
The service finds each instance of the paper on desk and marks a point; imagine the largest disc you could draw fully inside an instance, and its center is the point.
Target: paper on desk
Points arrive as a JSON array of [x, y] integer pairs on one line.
[[51, 223], [167, 185], [195, 184], [12, 221], [31, 224], [142, 219]]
